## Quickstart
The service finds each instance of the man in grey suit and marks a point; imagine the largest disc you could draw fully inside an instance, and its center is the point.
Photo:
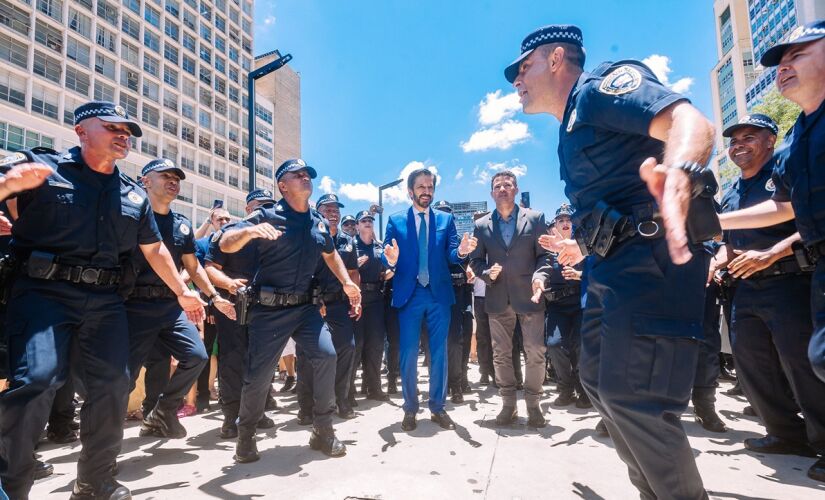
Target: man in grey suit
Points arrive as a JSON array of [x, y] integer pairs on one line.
[[515, 267]]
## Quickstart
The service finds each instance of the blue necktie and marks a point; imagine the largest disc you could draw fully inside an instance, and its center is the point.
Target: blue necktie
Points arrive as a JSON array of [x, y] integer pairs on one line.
[[423, 271]]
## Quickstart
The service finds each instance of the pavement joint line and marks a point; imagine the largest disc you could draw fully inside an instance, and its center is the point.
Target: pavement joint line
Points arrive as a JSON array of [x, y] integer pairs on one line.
[[492, 461]]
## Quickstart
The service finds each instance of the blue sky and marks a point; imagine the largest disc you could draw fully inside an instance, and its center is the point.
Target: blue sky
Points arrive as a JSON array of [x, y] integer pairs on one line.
[[385, 84]]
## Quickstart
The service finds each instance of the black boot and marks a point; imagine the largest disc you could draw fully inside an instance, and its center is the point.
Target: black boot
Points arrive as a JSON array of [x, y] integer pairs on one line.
[[289, 383], [706, 416], [162, 423], [63, 435], [246, 450], [485, 379], [583, 401], [392, 386], [228, 429], [324, 440], [42, 469], [108, 489], [271, 404], [565, 398], [457, 396]]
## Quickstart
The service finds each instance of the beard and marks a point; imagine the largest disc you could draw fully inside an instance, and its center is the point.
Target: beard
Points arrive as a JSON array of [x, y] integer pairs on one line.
[[425, 203]]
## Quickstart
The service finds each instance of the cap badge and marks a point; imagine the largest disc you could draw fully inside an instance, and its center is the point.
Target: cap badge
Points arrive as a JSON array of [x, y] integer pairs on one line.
[[620, 81], [119, 111]]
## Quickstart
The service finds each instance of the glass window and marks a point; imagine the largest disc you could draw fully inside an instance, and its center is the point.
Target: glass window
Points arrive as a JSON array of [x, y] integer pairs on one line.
[[189, 64], [68, 110], [170, 124], [188, 110], [189, 41], [170, 76], [203, 168], [13, 51], [129, 78], [47, 67], [206, 75], [15, 18], [80, 23], [151, 115], [77, 51], [187, 133], [233, 54], [13, 90], [152, 16], [44, 101], [220, 44], [107, 11], [234, 95], [220, 24], [206, 54], [149, 144], [129, 53], [151, 65], [133, 5], [151, 41], [171, 30], [104, 66], [77, 80], [189, 20], [151, 90], [170, 52], [105, 38], [220, 64], [206, 33], [131, 27], [190, 88], [48, 36], [104, 92], [205, 119], [130, 103], [172, 7], [170, 100], [206, 11], [233, 74], [206, 97], [52, 8], [85, 3]]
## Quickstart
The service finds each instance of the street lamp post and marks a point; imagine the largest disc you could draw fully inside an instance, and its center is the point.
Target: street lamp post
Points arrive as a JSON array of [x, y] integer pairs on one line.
[[381, 190], [251, 77]]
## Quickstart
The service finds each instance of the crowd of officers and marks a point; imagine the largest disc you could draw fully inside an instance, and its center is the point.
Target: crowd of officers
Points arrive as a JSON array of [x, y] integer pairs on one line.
[[97, 271]]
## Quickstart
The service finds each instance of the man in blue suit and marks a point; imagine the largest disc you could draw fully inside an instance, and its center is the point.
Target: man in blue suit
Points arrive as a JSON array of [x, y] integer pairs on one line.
[[424, 244]]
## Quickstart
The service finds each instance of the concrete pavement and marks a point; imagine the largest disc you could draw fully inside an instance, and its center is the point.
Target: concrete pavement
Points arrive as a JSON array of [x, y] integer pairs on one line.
[[564, 460]]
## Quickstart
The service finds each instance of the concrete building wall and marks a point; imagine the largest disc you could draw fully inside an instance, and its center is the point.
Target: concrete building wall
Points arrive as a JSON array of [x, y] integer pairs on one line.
[[283, 89]]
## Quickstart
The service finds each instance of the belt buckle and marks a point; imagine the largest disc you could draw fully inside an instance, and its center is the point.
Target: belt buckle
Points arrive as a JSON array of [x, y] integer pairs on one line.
[[90, 275], [648, 228]]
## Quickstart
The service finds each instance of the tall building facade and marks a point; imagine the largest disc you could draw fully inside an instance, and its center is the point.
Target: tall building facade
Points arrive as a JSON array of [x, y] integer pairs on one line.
[[177, 66], [463, 214]]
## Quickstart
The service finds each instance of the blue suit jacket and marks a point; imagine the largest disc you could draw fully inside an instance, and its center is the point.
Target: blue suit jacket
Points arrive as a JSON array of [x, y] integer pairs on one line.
[[443, 244]]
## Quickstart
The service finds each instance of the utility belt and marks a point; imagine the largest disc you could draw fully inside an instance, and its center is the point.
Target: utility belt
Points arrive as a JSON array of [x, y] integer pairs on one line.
[[152, 292], [554, 295], [789, 266], [605, 227], [372, 287], [267, 296], [458, 279], [42, 265], [332, 298], [808, 256]]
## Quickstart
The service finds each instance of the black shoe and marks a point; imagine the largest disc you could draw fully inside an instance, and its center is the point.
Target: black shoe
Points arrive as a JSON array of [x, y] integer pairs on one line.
[[246, 450], [378, 396], [726, 374], [409, 423], [202, 406], [465, 387], [565, 398], [271, 404], [507, 416], [351, 401], [108, 489], [774, 445], [289, 383], [817, 470], [583, 401], [484, 380], [265, 423], [42, 469], [163, 423], [601, 429], [520, 386], [228, 429], [324, 440], [706, 417], [535, 418], [457, 397], [392, 386], [61, 436], [304, 418], [346, 413], [443, 420], [736, 390], [749, 411]]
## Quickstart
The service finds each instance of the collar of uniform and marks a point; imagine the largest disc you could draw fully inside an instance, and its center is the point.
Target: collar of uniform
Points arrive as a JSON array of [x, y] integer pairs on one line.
[[807, 121], [72, 156], [572, 98]]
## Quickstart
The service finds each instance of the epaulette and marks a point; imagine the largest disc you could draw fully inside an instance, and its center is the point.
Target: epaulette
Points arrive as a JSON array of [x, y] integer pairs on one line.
[[42, 150]]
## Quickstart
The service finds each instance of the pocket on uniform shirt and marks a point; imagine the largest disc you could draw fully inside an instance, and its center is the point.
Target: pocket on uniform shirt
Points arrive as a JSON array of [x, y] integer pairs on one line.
[[662, 356]]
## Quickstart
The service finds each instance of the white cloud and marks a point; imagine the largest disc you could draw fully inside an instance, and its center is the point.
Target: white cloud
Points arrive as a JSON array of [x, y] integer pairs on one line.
[[660, 65], [482, 175], [501, 136], [495, 107], [326, 184], [269, 20], [359, 191], [460, 174], [367, 191]]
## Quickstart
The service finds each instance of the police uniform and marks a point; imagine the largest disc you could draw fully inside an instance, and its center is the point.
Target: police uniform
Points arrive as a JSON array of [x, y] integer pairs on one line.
[[771, 324], [370, 332], [643, 314], [393, 339], [330, 293], [283, 309], [73, 235], [157, 321], [564, 316]]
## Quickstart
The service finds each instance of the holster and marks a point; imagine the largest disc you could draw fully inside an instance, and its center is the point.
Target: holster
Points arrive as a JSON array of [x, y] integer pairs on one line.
[[243, 299], [805, 257], [8, 266], [702, 219]]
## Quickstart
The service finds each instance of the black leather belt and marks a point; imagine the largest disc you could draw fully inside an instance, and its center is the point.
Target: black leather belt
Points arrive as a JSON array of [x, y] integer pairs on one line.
[[333, 298], [371, 287], [268, 297], [778, 269], [553, 295], [79, 274], [604, 227], [152, 292]]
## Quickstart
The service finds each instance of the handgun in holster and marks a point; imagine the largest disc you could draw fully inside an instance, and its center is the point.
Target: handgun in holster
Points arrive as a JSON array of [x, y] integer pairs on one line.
[[804, 257], [243, 300], [41, 265], [7, 272], [702, 219]]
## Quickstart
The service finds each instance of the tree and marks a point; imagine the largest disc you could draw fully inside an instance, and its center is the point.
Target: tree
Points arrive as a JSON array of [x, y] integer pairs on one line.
[[783, 111]]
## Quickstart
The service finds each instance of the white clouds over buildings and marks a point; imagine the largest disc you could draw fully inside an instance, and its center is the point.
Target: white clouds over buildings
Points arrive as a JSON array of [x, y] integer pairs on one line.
[[661, 68], [497, 128], [482, 175], [368, 192]]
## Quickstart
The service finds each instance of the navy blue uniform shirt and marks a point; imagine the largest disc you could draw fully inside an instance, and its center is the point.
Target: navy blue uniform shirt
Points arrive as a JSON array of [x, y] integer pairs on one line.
[[555, 279], [202, 248], [176, 231], [746, 193], [603, 137], [239, 265], [288, 263], [800, 174], [371, 270], [83, 217], [327, 282]]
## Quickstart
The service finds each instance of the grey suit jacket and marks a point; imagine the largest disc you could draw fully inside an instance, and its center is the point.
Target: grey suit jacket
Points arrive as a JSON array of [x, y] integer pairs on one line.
[[522, 261]]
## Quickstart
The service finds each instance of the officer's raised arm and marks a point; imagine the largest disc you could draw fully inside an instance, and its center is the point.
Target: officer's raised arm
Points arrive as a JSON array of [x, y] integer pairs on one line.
[[235, 239], [22, 177]]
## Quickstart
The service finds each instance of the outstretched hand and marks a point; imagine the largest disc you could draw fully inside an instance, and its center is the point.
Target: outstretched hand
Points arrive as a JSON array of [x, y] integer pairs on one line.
[[567, 250], [467, 245], [225, 307], [391, 253], [671, 188], [192, 305], [25, 176], [538, 290]]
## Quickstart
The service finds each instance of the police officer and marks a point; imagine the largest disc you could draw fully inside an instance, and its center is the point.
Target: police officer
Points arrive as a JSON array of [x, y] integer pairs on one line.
[[230, 273], [349, 226], [393, 338], [643, 314], [154, 315], [370, 332], [564, 314], [338, 315], [771, 324], [287, 259], [461, 327], [73, 235]]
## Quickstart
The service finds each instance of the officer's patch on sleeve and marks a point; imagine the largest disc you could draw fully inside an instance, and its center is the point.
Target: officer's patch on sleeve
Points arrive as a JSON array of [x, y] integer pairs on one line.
[[252, 214], [216, 236], [770, 186], [621, 80], [184, 229], [571, 120], [322, 228], [12, 160], [134, 197]]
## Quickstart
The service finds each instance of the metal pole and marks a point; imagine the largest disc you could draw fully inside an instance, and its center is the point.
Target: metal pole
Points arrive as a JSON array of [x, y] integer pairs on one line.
[[381, 204], [250, 161]]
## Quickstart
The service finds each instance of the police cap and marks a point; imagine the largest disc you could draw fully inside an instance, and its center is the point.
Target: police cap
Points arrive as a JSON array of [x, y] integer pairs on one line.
[[162, 165], [754, 120], [802, 34], [364, 215], [328, 199], [294, 165], [554, 33], [261, 195], [444, 206], [564, 210], [108, 112]]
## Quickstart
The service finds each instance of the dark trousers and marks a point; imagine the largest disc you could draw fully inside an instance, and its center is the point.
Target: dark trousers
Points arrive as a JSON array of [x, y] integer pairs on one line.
[[393, 339], [269, 330], [816, 349], [343, 338], [565, 316], [421, 307], [459, 338], [641, 320], [210, 332], [232, 340], [772, 326], [44, 319], [707, 365], [63, 408], [370, 334], [484, 345], [163, 326]]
